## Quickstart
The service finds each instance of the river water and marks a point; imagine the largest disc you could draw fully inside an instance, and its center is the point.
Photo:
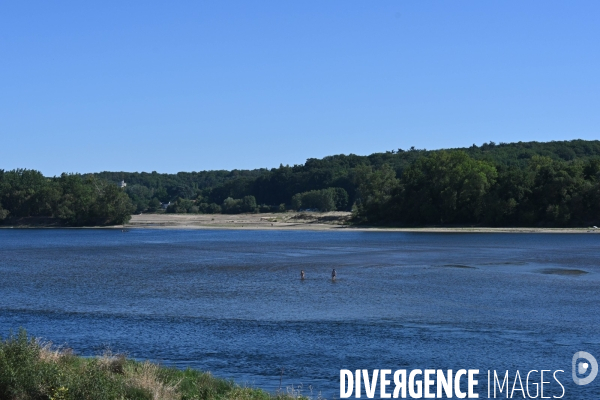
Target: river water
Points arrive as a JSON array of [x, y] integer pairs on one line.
[[232, 302]]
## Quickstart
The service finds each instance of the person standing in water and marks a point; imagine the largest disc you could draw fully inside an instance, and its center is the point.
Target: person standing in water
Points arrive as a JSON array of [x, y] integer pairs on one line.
[[302, 274], [333, 275]]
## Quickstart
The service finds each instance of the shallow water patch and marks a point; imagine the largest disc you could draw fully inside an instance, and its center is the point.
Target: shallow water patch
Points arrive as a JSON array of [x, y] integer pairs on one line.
[[456, 266], [562, 271]]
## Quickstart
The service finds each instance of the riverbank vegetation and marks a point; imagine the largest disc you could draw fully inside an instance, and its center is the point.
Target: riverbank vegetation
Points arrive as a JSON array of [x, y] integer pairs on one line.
[[70, 199], [452, 188], [30, 370], [555, 184]]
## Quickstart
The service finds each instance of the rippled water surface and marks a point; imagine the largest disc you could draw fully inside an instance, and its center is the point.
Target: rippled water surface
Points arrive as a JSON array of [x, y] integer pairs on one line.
[[232, 302]]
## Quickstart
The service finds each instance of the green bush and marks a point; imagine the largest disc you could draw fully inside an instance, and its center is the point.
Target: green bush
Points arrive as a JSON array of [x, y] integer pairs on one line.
[[329, 199], [32, 371], [247, 204]]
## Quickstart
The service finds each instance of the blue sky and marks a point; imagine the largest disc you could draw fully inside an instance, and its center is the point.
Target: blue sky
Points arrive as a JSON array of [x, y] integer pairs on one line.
[[189, 86]]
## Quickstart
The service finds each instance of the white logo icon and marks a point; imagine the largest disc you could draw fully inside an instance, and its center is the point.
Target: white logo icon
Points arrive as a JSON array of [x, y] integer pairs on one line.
[[581, 367]]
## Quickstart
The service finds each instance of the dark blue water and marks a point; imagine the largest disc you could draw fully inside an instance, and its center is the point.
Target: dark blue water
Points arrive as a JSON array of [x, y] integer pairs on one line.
[[232, 302]]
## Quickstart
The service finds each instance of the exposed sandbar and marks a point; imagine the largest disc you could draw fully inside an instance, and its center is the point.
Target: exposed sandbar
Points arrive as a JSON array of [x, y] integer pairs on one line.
[[335, 220]]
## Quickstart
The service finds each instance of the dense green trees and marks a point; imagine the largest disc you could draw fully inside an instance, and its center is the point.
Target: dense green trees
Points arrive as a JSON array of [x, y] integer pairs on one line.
[[75, 199], [247, 204], [450, 187], [515, 184], [329, 199], [375, 190], [278, 185], [444, 187]]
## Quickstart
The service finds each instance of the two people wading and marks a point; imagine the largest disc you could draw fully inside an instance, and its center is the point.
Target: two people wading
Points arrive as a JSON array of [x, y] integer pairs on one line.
[[333, 275]]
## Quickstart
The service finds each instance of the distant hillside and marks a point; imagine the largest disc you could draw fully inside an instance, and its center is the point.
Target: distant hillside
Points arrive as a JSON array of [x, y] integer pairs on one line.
[[278, 185], [506, 184]]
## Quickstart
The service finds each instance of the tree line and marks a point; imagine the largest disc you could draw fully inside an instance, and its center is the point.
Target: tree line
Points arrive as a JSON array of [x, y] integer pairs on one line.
[[72, 199], [505, 184], [453, 188]]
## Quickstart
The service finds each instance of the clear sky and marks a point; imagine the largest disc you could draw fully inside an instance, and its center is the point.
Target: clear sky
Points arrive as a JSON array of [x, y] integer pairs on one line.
[[189, 85]]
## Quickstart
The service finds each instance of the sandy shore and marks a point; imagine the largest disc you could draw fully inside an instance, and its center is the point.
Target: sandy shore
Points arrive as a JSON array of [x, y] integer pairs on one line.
[[290, 220], [304, 221]]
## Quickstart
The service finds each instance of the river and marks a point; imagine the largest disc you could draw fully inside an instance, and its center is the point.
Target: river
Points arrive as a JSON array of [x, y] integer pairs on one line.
[[232, 302]]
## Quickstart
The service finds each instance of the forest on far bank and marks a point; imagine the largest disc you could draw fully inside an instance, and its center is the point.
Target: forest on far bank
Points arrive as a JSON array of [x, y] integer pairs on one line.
[[506, 184]]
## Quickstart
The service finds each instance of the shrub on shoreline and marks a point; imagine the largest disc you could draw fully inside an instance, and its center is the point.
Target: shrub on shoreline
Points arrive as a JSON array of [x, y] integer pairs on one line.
[[31, 370]]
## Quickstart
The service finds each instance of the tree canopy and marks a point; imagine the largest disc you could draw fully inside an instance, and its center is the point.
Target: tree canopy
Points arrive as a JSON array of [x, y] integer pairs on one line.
[[74, 199], [506, 184]]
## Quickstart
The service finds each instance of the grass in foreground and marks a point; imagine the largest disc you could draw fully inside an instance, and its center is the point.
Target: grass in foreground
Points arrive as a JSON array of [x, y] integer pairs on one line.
[[31, 370]]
